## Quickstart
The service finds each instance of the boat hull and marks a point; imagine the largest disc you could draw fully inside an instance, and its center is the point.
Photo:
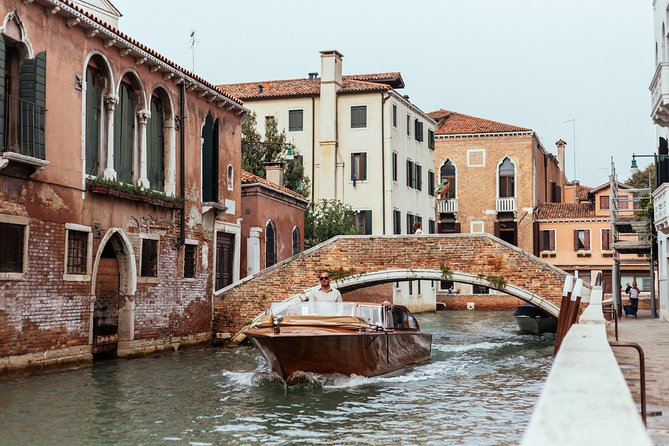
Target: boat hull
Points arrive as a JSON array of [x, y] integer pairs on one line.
[[536, 325], [332, 351]]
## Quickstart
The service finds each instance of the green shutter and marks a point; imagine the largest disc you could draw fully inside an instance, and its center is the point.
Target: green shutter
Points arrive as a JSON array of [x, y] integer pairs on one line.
[[33, 103], [124, 130], [155, 146], [368, 222], [3, 91], [93, 114], [363, 167], [207, 159]]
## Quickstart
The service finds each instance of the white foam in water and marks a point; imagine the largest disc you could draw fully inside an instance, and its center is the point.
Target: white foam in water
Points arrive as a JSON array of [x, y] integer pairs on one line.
[[452, 348]]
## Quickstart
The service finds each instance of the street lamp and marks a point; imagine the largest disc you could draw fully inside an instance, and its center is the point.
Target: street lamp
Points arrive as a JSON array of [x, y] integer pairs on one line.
[[634, 168]]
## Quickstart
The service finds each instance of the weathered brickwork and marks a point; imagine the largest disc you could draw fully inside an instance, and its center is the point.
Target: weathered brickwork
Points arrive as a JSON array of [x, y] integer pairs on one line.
[[474, 254], [481, 302]]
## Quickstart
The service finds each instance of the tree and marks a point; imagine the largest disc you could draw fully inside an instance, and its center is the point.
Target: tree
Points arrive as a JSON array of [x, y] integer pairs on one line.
[[327, 219], [640, 179], [256, 151]]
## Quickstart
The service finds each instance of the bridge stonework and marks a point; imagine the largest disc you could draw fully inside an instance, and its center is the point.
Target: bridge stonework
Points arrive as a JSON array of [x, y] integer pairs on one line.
[[473, 258]]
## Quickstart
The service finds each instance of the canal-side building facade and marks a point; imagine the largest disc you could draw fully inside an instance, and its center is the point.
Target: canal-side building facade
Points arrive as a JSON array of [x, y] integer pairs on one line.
[[362, 143], [116, 215], [272, 223]]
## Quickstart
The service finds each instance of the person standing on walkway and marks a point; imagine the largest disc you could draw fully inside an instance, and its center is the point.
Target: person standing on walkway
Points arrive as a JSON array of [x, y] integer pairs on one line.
[[417, 228], [634, 298], [325, 293]]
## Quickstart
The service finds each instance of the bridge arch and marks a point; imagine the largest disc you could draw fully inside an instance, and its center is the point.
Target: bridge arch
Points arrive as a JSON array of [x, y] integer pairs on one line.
[[362, 261]]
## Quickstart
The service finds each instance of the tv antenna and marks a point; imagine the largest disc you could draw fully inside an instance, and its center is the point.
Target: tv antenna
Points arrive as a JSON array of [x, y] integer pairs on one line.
[[193, 41], [573, 121]]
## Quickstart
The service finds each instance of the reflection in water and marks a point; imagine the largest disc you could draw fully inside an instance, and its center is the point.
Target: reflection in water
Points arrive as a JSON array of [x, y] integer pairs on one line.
[[479, 388]]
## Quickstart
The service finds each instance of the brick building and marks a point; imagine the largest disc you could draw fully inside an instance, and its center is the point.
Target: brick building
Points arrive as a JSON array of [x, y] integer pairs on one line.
[[273, 221], [117, 219]]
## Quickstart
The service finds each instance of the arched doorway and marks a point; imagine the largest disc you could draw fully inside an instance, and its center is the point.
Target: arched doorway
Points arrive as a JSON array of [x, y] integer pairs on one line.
[[113, 289]]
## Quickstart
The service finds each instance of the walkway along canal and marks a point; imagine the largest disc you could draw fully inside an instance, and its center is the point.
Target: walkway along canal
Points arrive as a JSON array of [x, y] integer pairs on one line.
[[479, 388]]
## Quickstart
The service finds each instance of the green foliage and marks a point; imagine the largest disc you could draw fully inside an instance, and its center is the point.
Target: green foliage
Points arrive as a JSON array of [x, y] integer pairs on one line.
[[497, 282], [132, 189], [643, 178], [327, 219], [340, 273], [446, 272], [256, 151]]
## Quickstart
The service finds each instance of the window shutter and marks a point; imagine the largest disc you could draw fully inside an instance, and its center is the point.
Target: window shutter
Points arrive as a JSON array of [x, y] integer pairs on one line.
[[408, 173], [551, 242], [33, 92], [155, 155], [457, 228], [575, 239], [363, 167], [93, 114], [496, 229], [2, 94], [352, 166], [368, 222], [587, 239]]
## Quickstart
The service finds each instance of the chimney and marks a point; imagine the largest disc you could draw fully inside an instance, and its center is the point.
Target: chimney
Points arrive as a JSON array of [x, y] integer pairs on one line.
[[274, 172], [260, 88], [560, 149], [331, 67], [313, 75], [331, 172]]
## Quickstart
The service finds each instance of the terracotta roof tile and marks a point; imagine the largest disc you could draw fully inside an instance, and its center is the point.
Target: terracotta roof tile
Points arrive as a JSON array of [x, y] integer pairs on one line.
[[564, 211], [306, 87], [582, 192], [452, 123], [249, 178], [152, 52]]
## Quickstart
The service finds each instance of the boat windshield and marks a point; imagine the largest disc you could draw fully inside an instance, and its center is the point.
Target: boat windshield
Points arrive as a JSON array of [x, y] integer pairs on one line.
[[370, 313]]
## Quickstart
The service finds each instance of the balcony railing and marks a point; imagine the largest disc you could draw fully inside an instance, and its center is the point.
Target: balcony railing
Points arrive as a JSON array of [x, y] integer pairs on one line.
[[661, 208], [448, 206], [506, 204], [23, 128], [659, 94]]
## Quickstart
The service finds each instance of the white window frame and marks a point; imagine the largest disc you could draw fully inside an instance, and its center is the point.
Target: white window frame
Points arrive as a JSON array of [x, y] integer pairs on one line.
[[515, 177], [295, 131], [554, 238], [145, 279], [473, 227], [230, 173], [23, 221], [358, 181], [350, 113], [89, 253], [601, 240], [190, 242], [470, 152]]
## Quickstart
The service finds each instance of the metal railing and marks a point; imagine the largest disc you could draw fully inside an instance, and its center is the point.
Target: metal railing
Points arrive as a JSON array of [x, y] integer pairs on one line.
[[449, 205], [506, 204], [642, 372], [23, 127]]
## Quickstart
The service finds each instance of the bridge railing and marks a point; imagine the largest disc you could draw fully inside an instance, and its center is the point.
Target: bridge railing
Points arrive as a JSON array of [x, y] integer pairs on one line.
[[585, 399]]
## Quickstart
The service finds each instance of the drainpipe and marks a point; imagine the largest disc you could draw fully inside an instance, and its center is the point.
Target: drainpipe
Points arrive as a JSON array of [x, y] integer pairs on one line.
[[182, 144], [313, 147], [383, 159]]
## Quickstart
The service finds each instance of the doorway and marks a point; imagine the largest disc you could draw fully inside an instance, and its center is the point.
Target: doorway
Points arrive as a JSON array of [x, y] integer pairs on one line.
[[225, 252], [105, 314]]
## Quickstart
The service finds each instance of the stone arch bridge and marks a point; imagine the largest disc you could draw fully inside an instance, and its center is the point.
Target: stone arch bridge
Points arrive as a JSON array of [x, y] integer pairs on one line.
[[362, 261]]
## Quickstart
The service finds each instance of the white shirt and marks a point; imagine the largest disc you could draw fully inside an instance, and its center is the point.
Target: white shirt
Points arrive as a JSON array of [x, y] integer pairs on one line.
[[320, 295], [634, 293], [418, 231]]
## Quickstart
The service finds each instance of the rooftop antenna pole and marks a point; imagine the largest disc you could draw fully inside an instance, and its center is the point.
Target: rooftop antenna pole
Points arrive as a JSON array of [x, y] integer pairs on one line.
[[192, 47], [573, 121]]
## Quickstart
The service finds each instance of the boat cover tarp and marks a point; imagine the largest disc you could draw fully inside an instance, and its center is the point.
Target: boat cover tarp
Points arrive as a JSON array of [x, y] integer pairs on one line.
[[345, 322]]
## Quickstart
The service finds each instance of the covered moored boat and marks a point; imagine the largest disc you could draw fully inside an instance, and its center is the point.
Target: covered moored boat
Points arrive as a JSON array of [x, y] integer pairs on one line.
[[534, 320], [362, 339]]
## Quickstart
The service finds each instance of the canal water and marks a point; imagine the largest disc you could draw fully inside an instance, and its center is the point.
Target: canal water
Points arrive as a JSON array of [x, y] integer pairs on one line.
[[479, 388]]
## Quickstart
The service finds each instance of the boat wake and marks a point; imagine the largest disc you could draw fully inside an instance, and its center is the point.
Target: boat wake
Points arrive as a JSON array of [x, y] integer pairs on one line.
[[454, 348]]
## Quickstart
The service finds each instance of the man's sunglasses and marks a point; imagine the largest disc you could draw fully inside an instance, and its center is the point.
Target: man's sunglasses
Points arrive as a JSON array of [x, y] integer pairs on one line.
[[324, 278]]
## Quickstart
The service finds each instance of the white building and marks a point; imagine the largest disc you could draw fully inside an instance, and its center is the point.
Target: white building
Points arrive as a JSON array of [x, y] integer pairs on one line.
[[659, 89], [362, 143]]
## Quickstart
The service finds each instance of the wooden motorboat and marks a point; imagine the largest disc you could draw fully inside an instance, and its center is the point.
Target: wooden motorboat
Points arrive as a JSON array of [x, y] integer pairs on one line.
[[534, 320], [343, 338]]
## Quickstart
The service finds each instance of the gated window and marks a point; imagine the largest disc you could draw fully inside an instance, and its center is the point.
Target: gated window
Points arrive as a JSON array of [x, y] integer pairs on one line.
[[210, 160], [397, 222], [96, 82], [270, 244], [363, 221], [394, 115], [419, 130], [124, 131], [606, 239], [507, 174], [77, 252], [394, 166], [548, 240], [155, 144], [358, 167], [358, 116], [296, 241], [295, 120], [12, 247], [581, 239], [149, 258], [190, 258]]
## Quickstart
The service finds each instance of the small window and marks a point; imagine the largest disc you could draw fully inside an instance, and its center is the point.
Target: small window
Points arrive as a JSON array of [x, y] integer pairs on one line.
[[394, 115], [446, 285], [548, 240], [397, 222], [411, 174], [77, 252], [190, 256], [603, 201], [432, 226], [295, 120], [430, 183], [270, 244], [358, 116], [419, 177], [480, 289], [149, 258], [606, 240], [231, 177], [296, 241], [430, 139], [12, 248], [408, 125], [358, 167], [419, 130], [363, 221], [394, 166], [581, 239], [411, 219]]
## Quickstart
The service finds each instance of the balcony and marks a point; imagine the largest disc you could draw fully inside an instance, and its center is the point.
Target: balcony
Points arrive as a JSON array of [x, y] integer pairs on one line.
[[659, 93], [506, 204], [448, 206], [661, 208]]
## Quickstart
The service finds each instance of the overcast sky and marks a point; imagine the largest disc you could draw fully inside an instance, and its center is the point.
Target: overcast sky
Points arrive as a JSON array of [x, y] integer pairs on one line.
[[531, 63]]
